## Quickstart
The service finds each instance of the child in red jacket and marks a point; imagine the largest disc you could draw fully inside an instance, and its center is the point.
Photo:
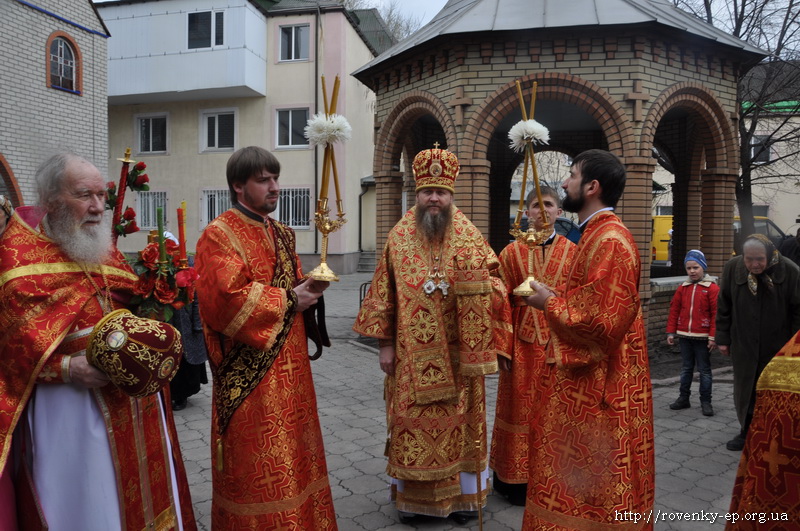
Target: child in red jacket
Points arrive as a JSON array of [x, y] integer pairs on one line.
[[692, 316]]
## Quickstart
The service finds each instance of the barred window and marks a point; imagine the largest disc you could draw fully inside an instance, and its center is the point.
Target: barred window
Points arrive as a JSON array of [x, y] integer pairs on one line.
[[146, 204], [214, 202], [294, 207]]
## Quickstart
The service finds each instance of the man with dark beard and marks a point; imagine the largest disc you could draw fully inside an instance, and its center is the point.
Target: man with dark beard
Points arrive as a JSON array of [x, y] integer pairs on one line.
[[85, 454], [439, 310], [591, 451]]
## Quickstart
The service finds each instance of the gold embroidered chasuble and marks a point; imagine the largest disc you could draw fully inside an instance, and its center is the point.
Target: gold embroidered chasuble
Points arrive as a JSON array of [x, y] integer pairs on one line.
[[516, 400], [49, 309], [269, 469], [768, 478], [435, 401], [592, 437]]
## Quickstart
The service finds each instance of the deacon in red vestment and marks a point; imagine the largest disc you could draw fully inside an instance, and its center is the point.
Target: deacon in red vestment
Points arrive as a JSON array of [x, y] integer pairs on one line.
[[766, 494], [86, 455], [592, 456], [516, 393], [439, 309], [268, 459]]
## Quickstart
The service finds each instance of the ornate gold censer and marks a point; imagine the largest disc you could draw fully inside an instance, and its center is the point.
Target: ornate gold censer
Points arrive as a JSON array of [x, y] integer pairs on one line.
[[522, 136]]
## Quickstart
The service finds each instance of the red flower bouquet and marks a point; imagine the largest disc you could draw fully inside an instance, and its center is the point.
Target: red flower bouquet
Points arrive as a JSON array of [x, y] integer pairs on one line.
[[163, 285]]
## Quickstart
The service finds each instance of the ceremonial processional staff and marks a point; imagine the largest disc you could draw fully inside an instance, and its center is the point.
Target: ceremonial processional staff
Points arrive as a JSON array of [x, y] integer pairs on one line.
[[326, 130], [523, 135]]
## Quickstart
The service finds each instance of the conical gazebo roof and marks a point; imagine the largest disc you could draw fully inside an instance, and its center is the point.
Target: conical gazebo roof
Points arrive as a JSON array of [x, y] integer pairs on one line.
[[472, 16]]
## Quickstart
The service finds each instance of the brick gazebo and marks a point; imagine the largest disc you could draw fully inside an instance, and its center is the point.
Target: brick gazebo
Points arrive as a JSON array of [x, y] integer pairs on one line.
[[622, 75]]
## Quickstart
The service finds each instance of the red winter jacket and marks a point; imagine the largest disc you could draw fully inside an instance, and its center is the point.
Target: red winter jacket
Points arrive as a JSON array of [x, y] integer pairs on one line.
[[693, 310]]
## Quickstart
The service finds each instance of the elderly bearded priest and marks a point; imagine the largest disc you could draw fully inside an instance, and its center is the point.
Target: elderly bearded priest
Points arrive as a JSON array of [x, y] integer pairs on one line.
[[85, 455], [439, 309]]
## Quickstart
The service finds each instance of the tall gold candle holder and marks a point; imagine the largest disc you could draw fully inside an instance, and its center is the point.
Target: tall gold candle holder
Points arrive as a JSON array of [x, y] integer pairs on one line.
[[327, 129], [523, 135]]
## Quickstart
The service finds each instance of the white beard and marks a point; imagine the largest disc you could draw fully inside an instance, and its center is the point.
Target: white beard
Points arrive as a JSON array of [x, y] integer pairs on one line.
[[89, 244]]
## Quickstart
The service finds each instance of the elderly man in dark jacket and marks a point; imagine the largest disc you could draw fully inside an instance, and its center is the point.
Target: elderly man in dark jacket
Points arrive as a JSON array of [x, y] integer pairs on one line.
[[758, 311]]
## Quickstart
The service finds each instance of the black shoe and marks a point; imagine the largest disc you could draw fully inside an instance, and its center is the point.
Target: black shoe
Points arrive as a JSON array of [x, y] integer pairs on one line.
[[178, 405], [680, 403], [462, 517], [708, 411], [407, 518], [736, 444], [517, 494]]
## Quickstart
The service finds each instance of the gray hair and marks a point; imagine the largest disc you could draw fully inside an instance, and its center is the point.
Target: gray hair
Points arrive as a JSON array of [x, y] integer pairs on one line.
[[50, 176]]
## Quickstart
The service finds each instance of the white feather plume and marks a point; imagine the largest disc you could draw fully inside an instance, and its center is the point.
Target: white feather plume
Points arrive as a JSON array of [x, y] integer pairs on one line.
[[327, 129], [526, 131]]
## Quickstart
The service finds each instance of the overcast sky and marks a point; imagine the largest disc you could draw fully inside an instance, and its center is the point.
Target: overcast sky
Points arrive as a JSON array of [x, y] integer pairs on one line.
[[424, 9]]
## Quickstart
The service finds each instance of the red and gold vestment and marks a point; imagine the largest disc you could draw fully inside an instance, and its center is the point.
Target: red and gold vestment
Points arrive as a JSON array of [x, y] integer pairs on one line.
[[50, 306], [592, 438], [435, 401], [766, 494], [515, 393], [269, 468]]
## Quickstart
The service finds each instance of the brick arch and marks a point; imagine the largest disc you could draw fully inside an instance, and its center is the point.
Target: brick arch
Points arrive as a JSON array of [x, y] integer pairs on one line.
[[78, 59], [703, 208], [592, 98], [391, 136], [11, 182], [720, 137]]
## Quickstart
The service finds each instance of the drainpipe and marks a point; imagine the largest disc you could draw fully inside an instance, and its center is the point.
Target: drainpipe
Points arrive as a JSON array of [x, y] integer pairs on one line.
[[364, 190]]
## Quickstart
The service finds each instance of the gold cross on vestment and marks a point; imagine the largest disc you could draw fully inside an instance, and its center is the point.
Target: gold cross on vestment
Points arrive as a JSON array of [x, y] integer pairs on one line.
[[774, 458], [436, 145]]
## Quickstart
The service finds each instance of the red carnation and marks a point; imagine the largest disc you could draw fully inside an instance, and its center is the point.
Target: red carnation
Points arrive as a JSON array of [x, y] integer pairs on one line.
[[149, 256], [163, 292], [141, 180], [129, 214], [131, 227], [112, 186], [139, 166]]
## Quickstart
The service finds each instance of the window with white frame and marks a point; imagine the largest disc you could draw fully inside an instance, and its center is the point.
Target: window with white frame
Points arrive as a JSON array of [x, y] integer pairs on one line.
[[146, 205], [63, 68], [217, 129], [291, 126], [294, 42], [206, 29], [294, 207], [759, 149], [151, 130], [213, 203]]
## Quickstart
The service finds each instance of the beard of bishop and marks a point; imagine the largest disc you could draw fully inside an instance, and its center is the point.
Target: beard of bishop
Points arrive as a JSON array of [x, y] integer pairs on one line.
[[433, 227], [89, 244]]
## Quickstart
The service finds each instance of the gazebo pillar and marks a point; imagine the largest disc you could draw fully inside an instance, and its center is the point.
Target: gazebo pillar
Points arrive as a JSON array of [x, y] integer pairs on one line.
[[718, 196], [388, 204], [472, 192]]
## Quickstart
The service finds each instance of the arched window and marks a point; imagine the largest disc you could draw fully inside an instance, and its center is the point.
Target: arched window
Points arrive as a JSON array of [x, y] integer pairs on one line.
[[63, 63]]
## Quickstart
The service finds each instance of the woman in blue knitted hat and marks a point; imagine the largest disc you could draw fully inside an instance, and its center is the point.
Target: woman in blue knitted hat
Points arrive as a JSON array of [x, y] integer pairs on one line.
[[692, 316]]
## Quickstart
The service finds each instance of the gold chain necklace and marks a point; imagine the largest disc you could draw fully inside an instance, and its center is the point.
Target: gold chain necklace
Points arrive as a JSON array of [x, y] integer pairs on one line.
[[104, 297]]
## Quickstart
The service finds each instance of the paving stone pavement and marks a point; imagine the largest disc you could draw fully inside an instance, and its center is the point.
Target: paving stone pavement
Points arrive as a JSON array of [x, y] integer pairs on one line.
[[694, 471]]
